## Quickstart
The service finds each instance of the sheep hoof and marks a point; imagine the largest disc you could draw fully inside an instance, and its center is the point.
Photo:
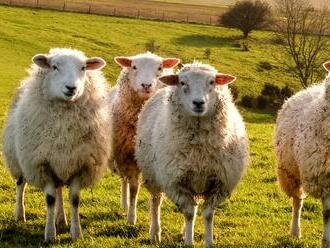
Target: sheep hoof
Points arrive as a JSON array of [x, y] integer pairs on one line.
[[325, 243], [155, 237], [189, 244], [296, 233], [50, 237], [131, 220], [124, 206], [76, 234]]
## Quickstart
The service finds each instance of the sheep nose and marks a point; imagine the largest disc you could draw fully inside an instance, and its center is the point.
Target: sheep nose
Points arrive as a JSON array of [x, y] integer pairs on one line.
[[71, 89], [198, 103], [146, 86]]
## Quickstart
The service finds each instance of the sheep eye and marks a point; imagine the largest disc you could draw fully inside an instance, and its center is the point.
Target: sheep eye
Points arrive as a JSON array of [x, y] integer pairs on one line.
[[55, 68], [83, 68], [134, 67], [159, 68], [182, 83], [212, 82]]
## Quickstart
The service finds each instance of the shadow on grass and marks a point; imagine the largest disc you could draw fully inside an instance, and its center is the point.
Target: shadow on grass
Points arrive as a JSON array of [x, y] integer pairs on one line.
[[199, 40], [122, 230], [288, 242], [105, 216], [256, 116], [19, 235]]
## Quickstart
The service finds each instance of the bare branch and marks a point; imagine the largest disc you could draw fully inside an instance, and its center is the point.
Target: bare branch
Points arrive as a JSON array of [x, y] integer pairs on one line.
[[305, 31]]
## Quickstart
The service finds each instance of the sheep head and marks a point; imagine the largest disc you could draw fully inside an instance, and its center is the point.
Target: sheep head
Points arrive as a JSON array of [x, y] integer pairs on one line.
[[66, 72], [144, 71], [195, 86]]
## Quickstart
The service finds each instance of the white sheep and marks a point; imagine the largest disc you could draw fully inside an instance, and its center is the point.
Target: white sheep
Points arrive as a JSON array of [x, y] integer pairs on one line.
[[57, 132], [137, 81], [191, 143], [301, 142]]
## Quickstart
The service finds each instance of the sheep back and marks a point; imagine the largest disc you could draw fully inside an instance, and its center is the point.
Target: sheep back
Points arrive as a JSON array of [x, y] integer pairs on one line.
[[301, 143]]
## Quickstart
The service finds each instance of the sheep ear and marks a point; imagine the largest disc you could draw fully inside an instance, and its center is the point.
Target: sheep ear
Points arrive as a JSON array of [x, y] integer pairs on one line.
[[222, 79], [170, 80], [326, 65], [123, 61], [95, 63], [170, 62], [41, 60]]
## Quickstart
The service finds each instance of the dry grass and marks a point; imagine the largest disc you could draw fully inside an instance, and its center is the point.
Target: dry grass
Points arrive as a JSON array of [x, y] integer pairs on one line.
[[190, 11]]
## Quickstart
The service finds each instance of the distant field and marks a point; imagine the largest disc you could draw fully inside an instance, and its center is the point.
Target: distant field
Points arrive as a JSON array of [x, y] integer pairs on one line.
[[189, 11], [258, 213]]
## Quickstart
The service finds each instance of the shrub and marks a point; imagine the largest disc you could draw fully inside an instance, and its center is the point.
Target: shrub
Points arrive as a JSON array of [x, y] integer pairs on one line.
[[286, 92], [262, 102], [151, 46], [271, 96], [278, 40], [265, 66], [248, 101], [247, 16], [270, 90], [207, 53]]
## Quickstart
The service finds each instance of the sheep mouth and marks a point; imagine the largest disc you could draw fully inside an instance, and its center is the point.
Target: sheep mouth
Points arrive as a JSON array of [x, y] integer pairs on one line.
[[146, 91], [69, 94], [198, 110]]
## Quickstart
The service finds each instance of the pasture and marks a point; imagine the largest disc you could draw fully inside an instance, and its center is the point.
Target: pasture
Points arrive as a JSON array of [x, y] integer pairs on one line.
[[257, 214]]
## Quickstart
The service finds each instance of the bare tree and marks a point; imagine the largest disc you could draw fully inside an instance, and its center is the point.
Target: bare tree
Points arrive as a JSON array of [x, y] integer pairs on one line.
[[247, 15], [305, 31]]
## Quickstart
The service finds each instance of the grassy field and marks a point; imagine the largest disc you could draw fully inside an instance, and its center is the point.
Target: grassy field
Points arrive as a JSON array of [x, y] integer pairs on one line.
[[257, 215]]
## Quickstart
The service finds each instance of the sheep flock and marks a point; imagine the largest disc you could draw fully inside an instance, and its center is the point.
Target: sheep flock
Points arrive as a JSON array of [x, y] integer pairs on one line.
[[175, 131]]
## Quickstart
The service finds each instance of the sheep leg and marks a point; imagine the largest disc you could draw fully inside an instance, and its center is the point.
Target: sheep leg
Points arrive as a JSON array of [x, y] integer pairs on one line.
[[155, 203], [124, 193], [189, 218], [296, 213], [50, 229], [20, 208], [74, 196], [326, 222], [134, 187], [208, 215], [61, 222]]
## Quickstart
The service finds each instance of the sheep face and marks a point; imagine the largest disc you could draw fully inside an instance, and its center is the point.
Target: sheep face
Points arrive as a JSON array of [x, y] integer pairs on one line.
[[66, 74], [196, 90], [144, 71]]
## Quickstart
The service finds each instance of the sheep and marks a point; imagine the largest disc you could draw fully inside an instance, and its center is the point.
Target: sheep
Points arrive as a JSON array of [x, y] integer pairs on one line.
[[58, 132], [191, 143], [137, 81], [301, 143]]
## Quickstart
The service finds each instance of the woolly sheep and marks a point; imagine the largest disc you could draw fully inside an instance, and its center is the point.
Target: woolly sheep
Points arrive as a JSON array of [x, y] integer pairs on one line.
[[191, 143], [57, 132], [137, 81], [301, 145]]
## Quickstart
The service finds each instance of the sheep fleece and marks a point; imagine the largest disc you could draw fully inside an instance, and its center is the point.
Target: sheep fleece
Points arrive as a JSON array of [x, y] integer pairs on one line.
[[302, 143], [126, 107], [180, 155], [54, 140]]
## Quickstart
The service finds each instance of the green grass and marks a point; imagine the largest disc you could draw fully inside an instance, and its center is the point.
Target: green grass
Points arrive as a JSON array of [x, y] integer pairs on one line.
[[258, 213]]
